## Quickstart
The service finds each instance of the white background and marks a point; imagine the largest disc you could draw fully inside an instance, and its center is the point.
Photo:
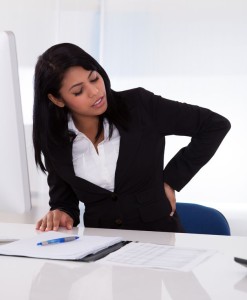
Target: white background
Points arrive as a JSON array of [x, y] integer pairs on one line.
[[193, 51]]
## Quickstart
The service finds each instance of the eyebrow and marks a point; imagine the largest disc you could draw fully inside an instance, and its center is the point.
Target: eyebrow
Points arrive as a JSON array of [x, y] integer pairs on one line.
[[80, 83]]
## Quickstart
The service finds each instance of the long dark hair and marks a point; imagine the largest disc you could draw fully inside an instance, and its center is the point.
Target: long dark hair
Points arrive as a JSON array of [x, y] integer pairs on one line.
[[50, 123]]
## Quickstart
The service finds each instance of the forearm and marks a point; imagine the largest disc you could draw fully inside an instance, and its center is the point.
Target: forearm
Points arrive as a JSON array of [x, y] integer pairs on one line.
[[62, 196], [189, 160]]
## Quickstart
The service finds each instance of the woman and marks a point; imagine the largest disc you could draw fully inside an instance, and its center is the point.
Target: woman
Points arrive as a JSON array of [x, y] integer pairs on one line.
[[106, 148]]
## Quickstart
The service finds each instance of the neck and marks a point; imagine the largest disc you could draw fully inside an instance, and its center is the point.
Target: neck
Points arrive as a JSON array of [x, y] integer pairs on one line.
[[88, 126]]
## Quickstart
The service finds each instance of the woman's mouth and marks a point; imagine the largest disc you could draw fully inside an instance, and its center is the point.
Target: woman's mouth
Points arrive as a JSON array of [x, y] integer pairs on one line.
[[99, 102]]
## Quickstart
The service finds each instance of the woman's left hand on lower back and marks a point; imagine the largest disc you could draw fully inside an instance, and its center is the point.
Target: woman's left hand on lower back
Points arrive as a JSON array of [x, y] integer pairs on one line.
[[170, 194]]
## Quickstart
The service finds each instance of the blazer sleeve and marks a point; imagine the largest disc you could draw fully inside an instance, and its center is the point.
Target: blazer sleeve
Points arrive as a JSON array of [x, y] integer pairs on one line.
[[62, 196], [207, 129]]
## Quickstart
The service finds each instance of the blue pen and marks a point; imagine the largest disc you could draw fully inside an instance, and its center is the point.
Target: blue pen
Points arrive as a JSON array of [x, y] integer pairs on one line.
[[58, 241]]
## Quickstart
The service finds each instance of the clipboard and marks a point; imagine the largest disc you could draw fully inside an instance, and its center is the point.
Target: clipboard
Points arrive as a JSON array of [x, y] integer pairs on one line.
[[241, 261], [85, 248], [102, 253]]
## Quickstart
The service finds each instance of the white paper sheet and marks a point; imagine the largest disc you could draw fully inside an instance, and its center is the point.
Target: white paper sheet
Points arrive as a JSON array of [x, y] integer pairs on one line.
[[77, 249], [157, 256]]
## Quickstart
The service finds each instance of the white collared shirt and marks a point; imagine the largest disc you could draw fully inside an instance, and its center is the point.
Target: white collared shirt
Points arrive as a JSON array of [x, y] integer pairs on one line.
[[98, 168]]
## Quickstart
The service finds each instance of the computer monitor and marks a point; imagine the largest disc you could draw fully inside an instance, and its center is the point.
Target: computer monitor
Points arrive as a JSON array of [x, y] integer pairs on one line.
[[14, 180]]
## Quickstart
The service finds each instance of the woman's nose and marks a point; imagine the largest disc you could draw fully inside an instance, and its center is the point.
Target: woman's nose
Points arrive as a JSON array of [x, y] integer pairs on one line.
[[92, 90]]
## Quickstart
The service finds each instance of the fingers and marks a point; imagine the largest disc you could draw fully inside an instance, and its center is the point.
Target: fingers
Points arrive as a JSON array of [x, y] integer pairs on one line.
[[172, 213], [170, 194], [46, 223], [69, 224], [66, 220], [56, 220], [53, 220], [38, 224], [173, 205]]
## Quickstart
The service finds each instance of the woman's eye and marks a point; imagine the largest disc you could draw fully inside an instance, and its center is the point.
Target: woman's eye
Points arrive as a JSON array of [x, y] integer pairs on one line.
[[78, 93], [95, 79]]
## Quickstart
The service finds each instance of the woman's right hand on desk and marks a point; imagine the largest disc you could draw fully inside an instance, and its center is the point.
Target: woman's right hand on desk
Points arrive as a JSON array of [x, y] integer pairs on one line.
[[53, 220]]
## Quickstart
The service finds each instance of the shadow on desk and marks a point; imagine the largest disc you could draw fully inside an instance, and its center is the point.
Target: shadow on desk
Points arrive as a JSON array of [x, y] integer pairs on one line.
[[242, 284], [98, 282]]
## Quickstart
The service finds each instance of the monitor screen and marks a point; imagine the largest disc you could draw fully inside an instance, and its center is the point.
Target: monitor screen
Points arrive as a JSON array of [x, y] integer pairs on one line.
[[14, 182]]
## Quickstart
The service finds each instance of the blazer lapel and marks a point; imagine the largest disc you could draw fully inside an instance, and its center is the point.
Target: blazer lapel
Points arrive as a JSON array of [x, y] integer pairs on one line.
[[129, 147], [62, 158]]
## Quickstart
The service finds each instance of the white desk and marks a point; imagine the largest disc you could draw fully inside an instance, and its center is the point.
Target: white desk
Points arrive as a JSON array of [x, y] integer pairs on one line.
[[217, 278]]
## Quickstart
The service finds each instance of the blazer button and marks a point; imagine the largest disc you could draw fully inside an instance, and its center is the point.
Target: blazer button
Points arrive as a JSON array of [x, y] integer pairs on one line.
[[119, 222], [114, 197]]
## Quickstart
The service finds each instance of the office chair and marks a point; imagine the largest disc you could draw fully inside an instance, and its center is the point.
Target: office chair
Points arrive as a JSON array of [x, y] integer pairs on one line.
[[196, 218]]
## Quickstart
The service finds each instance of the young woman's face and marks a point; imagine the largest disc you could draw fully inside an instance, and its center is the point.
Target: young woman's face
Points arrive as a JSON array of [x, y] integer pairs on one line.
[[83, 92]]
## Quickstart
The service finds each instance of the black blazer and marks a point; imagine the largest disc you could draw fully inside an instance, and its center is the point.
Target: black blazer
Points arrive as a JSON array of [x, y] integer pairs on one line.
[[138, 201]]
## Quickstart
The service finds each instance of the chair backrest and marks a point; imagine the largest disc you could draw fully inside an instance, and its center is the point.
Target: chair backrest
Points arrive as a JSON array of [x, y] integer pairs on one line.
[[201, 219]]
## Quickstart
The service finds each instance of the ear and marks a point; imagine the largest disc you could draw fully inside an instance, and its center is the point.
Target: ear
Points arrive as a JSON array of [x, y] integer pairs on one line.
[[58, 102]]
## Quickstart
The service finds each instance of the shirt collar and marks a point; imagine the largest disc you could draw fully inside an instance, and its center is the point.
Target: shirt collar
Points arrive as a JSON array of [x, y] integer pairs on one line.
[[72, 127]]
